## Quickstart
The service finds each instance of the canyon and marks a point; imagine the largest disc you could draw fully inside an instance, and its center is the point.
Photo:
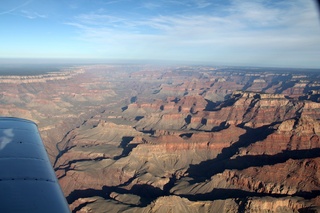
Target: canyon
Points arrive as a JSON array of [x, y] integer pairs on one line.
[[151, 138]]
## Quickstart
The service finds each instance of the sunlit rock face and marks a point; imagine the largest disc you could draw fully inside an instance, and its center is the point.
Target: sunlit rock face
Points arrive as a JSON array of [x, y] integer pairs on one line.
[[141, 138]]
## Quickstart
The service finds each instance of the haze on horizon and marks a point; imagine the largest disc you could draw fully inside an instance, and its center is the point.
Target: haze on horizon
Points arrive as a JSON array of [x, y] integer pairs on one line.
[[232, 32]]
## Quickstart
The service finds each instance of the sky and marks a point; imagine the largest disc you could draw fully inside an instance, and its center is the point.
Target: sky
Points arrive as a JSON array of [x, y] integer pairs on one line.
[[283, 33]]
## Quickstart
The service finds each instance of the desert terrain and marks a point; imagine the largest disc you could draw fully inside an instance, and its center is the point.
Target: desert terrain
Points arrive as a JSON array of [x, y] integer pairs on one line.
[[151, 138]]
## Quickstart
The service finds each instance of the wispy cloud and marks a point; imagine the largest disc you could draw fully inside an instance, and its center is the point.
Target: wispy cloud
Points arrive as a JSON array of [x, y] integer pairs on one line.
[[202, 3], [244, 28], [98, 19], [189, 3], [15, 8], [22, 10], [241, 14], [31, 14], [151, 5]]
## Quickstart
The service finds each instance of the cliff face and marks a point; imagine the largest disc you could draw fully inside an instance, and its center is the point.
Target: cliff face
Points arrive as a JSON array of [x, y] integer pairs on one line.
[[51, 76], [243, 108], [181, 139]]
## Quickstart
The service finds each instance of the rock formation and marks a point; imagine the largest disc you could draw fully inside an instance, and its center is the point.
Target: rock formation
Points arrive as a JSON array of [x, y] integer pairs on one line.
[[141, 138]]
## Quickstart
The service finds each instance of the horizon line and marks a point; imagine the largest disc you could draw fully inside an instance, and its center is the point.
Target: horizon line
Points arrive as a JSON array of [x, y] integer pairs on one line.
[[83, 61]]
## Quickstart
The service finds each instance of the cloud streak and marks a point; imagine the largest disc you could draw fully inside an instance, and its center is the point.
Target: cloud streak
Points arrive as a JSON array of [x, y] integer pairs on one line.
[[245, 27], [32, 15], [16, 8]]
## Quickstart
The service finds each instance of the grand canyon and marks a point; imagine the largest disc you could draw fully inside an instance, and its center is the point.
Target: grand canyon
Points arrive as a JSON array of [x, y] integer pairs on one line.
[[151, 138]]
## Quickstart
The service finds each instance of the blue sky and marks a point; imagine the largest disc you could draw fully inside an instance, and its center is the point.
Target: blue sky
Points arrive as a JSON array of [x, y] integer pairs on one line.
[[283, 33]]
